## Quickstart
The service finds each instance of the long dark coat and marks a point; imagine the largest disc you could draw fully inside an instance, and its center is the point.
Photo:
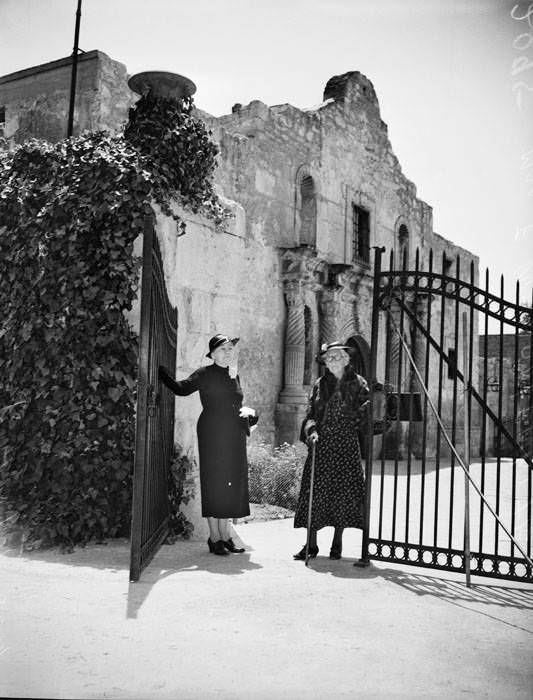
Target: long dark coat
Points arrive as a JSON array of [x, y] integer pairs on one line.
[[336, 410], [221, 440]]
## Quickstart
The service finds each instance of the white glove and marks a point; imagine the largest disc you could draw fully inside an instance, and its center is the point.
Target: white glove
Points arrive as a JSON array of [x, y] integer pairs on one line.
[[245, 412]]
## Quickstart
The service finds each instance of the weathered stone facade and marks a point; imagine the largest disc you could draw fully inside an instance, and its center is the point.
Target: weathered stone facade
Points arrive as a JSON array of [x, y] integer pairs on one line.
[[312, 190], [36, 100], [303, 177], [206, 301]]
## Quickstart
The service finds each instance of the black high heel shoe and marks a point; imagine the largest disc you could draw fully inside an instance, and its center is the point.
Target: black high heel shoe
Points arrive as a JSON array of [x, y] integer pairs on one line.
[[313, 551], [230, 546], [216, 547]]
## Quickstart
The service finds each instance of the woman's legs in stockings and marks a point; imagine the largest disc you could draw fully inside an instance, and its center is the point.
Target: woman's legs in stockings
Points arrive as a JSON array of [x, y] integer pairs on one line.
[[218, 529]]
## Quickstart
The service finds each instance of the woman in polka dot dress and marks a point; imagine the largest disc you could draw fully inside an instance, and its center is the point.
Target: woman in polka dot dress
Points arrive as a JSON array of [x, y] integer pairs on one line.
[[337, 405]]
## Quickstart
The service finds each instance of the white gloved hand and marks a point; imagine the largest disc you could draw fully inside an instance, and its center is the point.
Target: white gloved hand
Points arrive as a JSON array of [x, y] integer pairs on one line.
[[245, 412]]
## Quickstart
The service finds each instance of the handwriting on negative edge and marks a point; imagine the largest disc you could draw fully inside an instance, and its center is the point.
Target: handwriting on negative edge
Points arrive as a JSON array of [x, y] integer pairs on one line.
[[522, 63]]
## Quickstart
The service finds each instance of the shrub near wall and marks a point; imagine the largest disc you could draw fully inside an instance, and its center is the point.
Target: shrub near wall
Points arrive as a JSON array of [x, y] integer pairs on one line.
[[275, 473], [69, 214]]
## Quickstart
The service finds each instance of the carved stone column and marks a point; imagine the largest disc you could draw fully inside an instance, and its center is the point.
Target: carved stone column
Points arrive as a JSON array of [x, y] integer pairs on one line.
[[418, 341], [394, 438], [330, 314], [293, 392], [418, 349], [363, 307], [302, 274], [337, 305], [394, 349], [292, 404], [348, 281]]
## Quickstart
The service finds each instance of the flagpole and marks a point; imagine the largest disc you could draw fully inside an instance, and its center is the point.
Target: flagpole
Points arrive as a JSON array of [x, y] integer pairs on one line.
[[74, 72]]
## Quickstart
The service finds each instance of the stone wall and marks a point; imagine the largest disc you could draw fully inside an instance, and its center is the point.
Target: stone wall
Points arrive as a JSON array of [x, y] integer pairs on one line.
[[36, 100], [343, 148], [202, 271]]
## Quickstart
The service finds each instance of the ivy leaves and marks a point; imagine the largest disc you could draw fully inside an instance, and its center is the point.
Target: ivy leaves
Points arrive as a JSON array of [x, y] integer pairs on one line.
[[69, 213], [176, 148]]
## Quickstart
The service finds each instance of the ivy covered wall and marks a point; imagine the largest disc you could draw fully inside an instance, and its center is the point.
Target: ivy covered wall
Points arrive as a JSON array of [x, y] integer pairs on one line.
[[69, 214]]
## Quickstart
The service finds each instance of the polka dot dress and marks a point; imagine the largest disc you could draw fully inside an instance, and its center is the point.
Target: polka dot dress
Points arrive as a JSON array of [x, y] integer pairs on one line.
[[338, 489]]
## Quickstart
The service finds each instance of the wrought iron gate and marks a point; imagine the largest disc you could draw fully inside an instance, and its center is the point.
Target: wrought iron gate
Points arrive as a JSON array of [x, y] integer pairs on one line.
[[473, 444], [155, 411]]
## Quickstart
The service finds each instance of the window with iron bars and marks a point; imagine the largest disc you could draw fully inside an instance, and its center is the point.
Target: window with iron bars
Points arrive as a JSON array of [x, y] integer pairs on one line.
[[360, 235], [2, 121]]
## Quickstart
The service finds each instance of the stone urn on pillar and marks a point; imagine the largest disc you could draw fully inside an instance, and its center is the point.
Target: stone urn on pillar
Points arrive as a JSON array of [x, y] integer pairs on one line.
[[171, 86]]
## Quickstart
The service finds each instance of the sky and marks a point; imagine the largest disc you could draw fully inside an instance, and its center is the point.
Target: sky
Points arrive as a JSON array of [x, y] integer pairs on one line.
[[454, 79]]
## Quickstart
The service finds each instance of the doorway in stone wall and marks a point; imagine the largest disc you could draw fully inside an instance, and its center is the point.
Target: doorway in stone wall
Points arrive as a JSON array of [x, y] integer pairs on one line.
[[361, 355]]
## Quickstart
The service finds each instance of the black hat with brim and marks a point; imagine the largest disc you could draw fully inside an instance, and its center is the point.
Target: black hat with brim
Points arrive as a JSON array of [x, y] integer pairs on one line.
[[337, 345], [218, 340]]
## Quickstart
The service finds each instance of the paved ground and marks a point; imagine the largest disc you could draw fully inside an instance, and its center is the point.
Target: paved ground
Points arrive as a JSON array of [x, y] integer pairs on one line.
[[256, 626]]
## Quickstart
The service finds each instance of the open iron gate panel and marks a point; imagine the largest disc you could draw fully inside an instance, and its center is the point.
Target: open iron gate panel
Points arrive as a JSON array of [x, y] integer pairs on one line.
[[415, 495], [155, 411]]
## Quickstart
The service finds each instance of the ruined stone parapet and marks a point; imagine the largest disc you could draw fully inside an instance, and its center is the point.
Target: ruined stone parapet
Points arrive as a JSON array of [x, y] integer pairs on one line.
[[36, 100], [355, 90]]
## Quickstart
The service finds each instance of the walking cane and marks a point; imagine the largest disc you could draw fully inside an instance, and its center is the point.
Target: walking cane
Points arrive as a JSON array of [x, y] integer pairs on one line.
[[309, 509]]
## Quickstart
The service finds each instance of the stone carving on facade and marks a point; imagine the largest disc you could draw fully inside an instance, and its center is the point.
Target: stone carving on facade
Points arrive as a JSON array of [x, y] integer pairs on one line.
[[349, 321], [337, 305], [294, 344], [303, 276], [330, 313]]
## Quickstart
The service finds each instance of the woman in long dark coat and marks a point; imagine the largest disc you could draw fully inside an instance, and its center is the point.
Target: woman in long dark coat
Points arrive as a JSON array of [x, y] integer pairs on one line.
[[337, 407], [222, 430]]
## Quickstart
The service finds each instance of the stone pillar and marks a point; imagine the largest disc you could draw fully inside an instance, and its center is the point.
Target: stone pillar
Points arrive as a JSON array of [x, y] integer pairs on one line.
[[292, 404], [294, 345], [418, 351], [330, 313], [394, 438], [337, 305], [348, 324]]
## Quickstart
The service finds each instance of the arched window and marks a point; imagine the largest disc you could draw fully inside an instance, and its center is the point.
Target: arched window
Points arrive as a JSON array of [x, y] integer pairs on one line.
[[307, 211]]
